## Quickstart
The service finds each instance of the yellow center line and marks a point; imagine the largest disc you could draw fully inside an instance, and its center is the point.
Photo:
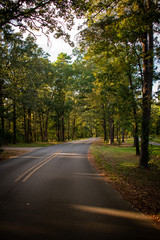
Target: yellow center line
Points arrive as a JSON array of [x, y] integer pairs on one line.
[[35, 167], [22, 175], [30, 174]]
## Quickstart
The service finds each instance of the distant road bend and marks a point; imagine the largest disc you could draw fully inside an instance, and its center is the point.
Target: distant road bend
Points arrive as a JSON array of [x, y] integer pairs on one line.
[[54, 193]]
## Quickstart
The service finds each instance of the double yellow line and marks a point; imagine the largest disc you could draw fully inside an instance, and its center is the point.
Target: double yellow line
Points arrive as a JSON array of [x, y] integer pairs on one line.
[[27, 174]]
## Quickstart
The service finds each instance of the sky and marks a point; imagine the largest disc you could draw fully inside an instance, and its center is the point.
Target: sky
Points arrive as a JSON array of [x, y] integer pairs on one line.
[[56, 46]]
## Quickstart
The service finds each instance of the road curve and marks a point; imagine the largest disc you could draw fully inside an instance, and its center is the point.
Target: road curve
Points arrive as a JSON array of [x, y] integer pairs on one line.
[[54, 193]]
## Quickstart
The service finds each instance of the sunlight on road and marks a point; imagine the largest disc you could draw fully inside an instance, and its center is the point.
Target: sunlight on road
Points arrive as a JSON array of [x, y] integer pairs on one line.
[[72, 154], [109, 211], [75, 155]]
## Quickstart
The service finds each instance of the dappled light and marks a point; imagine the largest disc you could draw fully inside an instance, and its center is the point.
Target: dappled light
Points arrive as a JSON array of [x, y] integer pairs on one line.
[[68, 155], [110, 212]]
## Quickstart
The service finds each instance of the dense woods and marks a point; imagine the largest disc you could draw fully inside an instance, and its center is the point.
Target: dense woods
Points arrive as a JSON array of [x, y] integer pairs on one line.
[[104, 90], [41, 100]]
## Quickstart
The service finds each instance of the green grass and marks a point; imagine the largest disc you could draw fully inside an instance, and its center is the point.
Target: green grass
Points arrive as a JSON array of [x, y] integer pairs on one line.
[[120, 165], [155, 138], [119, 159], [122, 158]]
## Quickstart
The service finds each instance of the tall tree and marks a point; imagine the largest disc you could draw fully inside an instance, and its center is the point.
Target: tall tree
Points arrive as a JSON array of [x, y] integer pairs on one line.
[[63, 71], [113, 22], [22, 74]]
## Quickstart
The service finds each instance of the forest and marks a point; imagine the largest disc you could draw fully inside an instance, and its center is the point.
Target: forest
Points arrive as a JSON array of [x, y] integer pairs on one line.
[[104, 90]]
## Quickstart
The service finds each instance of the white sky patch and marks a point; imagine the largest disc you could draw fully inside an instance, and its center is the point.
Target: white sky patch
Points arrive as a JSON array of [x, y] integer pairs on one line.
[[54, 46]]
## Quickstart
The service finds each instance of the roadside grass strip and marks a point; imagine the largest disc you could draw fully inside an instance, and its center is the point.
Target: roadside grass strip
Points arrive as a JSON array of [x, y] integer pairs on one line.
[[119, 165]]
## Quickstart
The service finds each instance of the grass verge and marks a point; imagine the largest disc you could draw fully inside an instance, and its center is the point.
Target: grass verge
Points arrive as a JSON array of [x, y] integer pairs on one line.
[[6, 154], [120, 166], [17, 149], [155, 139], [34, 144]]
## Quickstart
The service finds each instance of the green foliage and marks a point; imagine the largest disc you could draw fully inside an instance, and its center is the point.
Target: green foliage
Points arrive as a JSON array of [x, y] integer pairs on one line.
[[118, 37], [41, 16], [40, 100]]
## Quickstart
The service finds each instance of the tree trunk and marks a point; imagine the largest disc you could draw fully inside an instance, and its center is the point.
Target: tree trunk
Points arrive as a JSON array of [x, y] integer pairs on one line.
[[111, 137], [73, 131], [68, 127], [41, 129], [147, 45], [58, 130], [118, 134], [123, 135], [157, 127], [63, 129], [104, 128], [136, 139], [2, 140], [2, 135], [29, 126], [34, 127], [24, 124], [134, 107], [46, 129], [14, 124]]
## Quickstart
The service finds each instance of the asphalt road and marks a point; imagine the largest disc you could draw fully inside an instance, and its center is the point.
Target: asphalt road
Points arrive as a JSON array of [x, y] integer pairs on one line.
[[54, 193]]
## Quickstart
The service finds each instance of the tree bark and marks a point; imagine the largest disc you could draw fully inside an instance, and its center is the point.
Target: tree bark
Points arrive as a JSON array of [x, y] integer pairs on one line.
[[123, 135], [74, 125], [111, 137], [14, 124], [41, 129], [134, 107], [104, 128], [46, 128], [68, 127], [2, 136], [118, 134], [58, 130], [104, 124], [29, 127], [136, 139], [63, 129], [24, 124], [35, 127], [147, 45], [2, 141]]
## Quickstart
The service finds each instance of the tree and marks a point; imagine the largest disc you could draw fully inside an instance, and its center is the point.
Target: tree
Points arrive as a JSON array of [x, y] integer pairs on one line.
[[131, 67], [24, 70], [45, 15], [63, 71], [113, 22], [40, 99], [10, 51], [82, 85]]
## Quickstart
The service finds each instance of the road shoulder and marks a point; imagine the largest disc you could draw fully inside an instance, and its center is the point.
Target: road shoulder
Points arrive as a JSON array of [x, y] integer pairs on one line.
[[12, 152]]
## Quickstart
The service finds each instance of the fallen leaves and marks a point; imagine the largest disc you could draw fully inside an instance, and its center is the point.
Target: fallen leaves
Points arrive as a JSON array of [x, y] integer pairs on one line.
[[138, 186]]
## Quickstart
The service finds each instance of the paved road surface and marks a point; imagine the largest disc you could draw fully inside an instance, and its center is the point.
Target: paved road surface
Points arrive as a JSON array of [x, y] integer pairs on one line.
[[54, 193]]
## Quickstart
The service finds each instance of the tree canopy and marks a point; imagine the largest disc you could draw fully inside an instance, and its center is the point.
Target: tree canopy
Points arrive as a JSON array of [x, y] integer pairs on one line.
[[131, 25], [46, 15]]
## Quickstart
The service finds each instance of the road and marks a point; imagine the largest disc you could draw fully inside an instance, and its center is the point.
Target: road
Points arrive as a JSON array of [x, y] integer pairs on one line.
[[54, 193]]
